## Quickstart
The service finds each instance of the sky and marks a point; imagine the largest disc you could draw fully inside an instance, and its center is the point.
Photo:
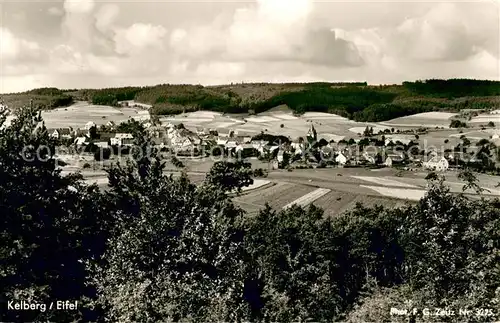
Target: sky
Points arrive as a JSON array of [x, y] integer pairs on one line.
[[95, 44]]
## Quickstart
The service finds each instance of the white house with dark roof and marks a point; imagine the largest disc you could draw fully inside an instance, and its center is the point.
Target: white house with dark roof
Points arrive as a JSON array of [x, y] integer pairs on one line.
[[122, 139], [437, 163], [89, 125], [341, 159]]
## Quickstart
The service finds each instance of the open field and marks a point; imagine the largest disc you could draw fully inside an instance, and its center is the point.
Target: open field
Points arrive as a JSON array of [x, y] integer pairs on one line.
[[308, 198], [78, 114], [477, 134], [403, 194], [484, 118], [328, 126], [277, 196], [335, 190], [426, 119]]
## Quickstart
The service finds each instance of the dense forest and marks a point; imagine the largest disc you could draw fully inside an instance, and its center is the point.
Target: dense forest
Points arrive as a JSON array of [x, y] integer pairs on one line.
[[48, 98], [357, 101], [156, 248], [454, 88]]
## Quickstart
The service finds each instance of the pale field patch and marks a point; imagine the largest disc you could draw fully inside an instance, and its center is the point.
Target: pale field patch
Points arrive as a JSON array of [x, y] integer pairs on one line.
[[404, 194], [435, 115], [322, 115], [260, 119], [330, 136], [384, 181], [78, 114], [187, 119], [257, 183], [284, 116], [203, 114], [425, 119], [485, 118], [222, 124], [308, 198], [476, 134], [376, 129]]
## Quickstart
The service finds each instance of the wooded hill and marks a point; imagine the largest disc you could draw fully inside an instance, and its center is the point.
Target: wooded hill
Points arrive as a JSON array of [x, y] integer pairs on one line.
[[357, 101]]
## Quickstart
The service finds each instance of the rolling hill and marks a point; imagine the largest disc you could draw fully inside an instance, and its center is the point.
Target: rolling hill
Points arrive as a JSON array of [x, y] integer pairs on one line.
[[357, 101]]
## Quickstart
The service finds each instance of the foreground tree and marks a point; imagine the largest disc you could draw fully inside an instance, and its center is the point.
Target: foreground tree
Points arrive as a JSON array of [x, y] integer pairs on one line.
[[230, 175], [291, 268], [49, 225], [177, 249]]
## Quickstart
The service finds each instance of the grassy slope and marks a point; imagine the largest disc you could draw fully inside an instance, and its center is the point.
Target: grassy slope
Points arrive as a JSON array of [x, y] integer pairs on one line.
[[356, 101]]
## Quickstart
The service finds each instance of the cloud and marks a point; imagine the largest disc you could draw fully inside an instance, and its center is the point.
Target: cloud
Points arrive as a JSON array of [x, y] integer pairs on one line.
[[55, 11], [272, 30], [19, 56], [139, 37], [104, 44], [78, 6], [106, 16]]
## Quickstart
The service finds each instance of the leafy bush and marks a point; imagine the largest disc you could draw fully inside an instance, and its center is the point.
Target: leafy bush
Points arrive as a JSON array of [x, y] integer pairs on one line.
[[458, 124]]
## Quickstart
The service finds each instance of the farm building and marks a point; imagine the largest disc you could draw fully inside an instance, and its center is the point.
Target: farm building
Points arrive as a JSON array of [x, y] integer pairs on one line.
[[122, 139], [281, 156], [225, 133], [222, 142], [201, 131], [63, 133], [437, 163], [341, 159], [393, 159], [312, 135], [371, 157], [79, 141], [182, 144], [89, 125], [110, 124], [101, 143]]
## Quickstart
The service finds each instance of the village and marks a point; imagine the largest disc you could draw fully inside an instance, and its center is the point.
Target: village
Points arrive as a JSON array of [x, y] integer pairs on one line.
[[279, 152]]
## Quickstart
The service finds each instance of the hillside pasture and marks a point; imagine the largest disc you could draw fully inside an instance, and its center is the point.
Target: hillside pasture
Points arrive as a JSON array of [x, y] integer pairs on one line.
[[78, 114], [426, 119]]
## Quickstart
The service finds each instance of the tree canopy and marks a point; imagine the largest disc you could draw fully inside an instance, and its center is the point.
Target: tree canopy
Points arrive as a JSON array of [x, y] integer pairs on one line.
[[156, 247]]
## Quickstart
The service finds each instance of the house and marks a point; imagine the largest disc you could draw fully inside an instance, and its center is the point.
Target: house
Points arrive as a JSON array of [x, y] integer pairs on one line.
[[110, 124], [281, 156], [79, 141], [371, 157], [231, 144], [246, 150], [89, 125], [393, 159], [274, 164], [395, 141], [101, 143], [225, 133], [221, 142], [259, 143], [312, 135], [437, 163], [195, 140], [243, 139], [55, 134], [341, 159], [273, 148], [183, 144], [62, 133], [122, 139], [201, 131], [124, 103]]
